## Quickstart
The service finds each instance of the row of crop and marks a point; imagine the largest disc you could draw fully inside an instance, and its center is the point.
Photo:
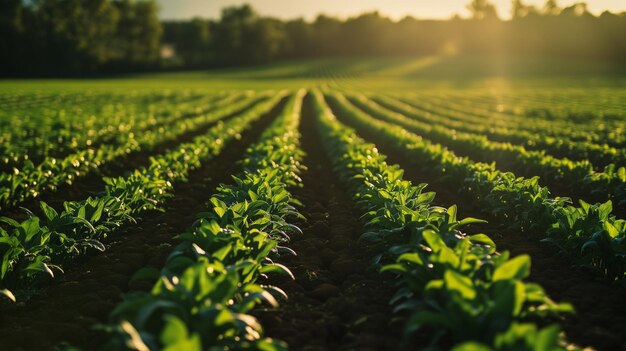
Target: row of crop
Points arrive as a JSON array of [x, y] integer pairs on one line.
[[37, 100], [203, 297], [31, 180], [32, 249], [578, 127], [589, 234], [448, 110], [456, 286], [561, 104], [111, 123], [604, 105], [603, 110], [609, 184], [551, 113], [51, 121], [557, 138], [599, 154]]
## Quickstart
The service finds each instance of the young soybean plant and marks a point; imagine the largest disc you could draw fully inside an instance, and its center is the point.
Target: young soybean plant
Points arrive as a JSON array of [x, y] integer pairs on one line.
[[31, 250], [211, 282], [609, 184], [32, 180], [590, 235], [457, 287]]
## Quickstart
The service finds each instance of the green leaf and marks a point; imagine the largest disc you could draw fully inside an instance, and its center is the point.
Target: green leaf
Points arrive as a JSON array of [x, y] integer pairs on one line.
[[96, 244], [452, 214], [610, 229], [85, 222], [471, 220], [31, 227], [220, 211], [460, 283], [433, 319], [434, 240], [40, 266], [412, 257], [97, 214], [173, 331], [8, 293], [145, 273], [516, 268], [10, 221], [425, 198], [134, 342], [548, 338], [621, 173], [393, 268], [269, 298], [605, 210], [585, 206], [175, 336], [482, 239], [472, 346], [48, 211], [277, 268]]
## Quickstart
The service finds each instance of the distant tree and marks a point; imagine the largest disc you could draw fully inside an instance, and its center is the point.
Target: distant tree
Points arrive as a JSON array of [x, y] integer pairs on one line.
[[521, 10], [242, 37], [299, 38], [138, 38], [482, 10], [578, 9], [518, 9], [363, 33], [551, 8], [327, 30], [192, 41], [11, 14], [264, 40], [230, 33], [74, 37]]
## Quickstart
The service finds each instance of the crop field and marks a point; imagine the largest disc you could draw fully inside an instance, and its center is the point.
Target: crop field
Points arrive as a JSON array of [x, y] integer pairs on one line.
[[395, 204]]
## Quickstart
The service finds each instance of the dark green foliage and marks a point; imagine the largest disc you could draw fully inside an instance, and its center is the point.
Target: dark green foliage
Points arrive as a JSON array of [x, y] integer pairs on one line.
[[30, 250], [242, 37], [519, 201], [456, 286], [210, 283], [78, 37]]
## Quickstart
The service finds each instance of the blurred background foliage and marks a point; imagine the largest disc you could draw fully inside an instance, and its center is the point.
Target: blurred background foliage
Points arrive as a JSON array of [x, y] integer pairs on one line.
[[93, 37]]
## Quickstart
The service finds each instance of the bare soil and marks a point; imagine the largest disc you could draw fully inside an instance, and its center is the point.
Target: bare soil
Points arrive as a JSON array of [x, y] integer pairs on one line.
[[338, 301]]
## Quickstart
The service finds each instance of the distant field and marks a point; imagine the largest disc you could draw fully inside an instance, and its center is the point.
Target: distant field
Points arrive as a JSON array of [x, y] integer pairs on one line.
[[182, 209], [374, 73]]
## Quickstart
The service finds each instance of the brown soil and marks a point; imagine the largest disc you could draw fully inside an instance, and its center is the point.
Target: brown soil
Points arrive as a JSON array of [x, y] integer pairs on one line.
[[337, 301], [90, 289], [600, 318]]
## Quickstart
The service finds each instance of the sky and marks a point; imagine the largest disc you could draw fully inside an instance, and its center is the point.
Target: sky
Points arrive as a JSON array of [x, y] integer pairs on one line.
[[431, 9]]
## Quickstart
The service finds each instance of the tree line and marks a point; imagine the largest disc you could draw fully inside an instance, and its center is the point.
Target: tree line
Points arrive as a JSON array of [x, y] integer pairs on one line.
[[241, 36], [78, 37], [58, 37]]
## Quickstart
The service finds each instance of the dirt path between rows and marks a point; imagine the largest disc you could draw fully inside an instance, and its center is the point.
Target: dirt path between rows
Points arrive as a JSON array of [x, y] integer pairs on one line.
[[90, 289], [336, 302], [600, 318]]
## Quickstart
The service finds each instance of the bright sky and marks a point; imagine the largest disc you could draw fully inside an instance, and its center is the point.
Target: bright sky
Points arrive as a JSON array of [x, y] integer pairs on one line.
[[181, 9]]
